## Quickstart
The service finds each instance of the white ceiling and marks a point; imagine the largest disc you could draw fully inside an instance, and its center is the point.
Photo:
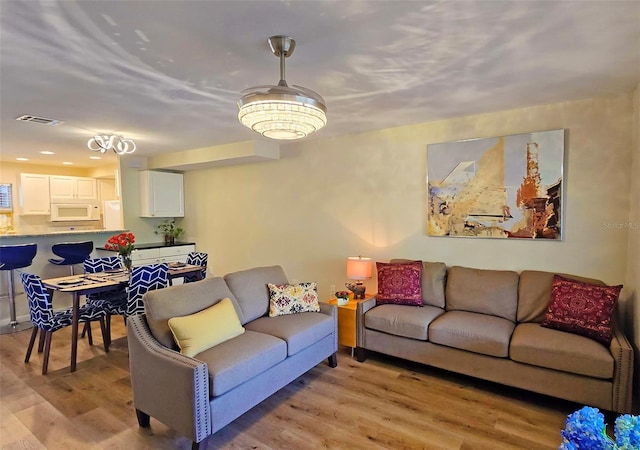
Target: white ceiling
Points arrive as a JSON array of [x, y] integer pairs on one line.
[[168, 73]]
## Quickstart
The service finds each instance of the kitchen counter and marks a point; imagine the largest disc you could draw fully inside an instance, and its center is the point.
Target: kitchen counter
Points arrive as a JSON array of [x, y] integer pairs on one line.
[[157, 245], [58, 233]]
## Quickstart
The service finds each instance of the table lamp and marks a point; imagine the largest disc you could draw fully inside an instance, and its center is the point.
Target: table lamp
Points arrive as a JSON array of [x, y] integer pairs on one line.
[[358, 268]]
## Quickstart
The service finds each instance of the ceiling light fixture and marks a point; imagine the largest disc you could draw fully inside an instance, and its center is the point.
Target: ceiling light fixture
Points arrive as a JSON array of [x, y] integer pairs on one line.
[[282, 112], [103, 142]]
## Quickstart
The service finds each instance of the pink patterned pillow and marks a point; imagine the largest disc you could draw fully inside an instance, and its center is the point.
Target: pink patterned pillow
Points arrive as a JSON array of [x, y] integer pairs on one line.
[[400, 283], [582, 308]]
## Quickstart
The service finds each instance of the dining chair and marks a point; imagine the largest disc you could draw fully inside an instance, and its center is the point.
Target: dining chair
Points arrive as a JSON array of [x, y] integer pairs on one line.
[[197, 259], [49, 321], [114, 302], [144, 279]]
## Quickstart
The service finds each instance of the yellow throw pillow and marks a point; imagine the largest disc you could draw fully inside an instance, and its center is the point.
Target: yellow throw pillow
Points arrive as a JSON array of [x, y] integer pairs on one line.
[[200, 331]]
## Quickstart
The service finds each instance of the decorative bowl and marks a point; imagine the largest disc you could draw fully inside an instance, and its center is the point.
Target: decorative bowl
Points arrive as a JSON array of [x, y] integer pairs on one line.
[[342, 297]]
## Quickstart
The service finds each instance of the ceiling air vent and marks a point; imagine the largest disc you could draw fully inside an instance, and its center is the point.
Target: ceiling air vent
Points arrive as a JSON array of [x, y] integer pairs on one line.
[[43, 120]]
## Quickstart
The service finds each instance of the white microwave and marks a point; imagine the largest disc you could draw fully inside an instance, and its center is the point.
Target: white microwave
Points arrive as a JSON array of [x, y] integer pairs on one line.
[[74, 212]]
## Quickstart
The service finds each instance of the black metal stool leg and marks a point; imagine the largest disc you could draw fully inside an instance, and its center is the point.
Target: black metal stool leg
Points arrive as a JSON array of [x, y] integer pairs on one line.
[[13, 325]]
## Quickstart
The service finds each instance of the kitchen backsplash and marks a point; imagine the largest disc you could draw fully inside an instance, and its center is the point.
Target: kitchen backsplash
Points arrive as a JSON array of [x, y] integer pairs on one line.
[[42, 224]]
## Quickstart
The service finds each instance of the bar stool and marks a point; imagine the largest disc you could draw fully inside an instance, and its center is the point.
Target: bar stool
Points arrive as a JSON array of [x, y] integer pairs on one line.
[[15, 257], [71, 253]]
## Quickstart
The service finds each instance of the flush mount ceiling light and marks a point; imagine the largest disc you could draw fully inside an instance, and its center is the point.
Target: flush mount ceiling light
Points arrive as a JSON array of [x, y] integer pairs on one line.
[[103, 142], [282, 112]]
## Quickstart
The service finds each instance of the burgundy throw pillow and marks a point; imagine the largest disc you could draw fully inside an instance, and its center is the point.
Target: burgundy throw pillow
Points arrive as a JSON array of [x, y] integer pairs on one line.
[[400, 284], [582, 308]]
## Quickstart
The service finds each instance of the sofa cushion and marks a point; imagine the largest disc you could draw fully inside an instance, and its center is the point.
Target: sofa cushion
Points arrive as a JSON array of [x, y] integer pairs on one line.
[[582, 308], [292, 298], [478, 333], [197, 332], [237, 360], [402, 320], [181, 300], [299, 331], [434, 279], [250, 289], [400, 283], [553, 349], [493, 292], [534, 293]]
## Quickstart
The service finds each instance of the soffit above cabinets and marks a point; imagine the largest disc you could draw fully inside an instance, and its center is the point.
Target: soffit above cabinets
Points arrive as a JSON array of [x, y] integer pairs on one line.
[[223, 155]]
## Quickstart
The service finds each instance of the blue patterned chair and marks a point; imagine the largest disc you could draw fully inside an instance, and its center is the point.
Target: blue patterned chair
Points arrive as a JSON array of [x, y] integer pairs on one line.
[[49, 321], [113, 303], [144, 279], [197, 259]]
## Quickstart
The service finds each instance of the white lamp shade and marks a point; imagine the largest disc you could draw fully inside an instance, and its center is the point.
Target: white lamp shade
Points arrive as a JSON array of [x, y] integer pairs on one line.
[[358, 268]]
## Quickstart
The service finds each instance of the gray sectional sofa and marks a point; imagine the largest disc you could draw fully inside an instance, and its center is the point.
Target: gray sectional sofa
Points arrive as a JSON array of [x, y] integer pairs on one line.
[[486, 324], [199, 395]]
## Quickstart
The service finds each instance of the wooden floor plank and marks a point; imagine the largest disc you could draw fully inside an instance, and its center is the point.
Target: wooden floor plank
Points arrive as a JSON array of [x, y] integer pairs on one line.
[[379, 404]]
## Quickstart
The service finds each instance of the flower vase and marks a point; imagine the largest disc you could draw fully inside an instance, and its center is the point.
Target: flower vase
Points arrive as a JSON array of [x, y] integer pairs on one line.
[[126, 262]]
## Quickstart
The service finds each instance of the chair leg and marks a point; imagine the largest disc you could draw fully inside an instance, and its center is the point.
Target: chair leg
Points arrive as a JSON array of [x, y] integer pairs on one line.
[[41, 342], [108, 324], [87, 326], [105, 335], [31, 342], [84, 330], [47, 350]]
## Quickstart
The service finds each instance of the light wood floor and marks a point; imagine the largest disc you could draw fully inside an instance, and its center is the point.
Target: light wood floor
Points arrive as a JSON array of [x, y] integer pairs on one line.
[[383, 403]]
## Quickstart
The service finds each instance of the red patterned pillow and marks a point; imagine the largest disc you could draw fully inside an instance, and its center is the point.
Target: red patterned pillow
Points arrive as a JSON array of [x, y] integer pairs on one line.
[[582, 308], [400, 283]]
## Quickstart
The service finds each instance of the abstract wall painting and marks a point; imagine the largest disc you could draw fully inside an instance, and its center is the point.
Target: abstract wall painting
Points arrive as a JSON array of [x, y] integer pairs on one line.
[[507, 187]]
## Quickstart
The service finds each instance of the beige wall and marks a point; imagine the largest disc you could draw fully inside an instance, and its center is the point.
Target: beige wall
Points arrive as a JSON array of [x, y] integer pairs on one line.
[[364, 194], [633, 272]]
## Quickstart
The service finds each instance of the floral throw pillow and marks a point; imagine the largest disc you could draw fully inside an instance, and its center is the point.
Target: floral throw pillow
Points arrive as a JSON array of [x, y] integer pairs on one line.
[[293, 298], [400, 284], [582, 308]]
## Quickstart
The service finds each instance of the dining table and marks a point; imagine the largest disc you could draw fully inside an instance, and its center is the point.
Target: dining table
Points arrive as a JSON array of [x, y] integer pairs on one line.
[[94, 283]]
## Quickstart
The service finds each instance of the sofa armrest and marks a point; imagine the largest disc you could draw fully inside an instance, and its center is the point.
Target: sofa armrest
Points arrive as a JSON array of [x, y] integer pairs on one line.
[[331, 310], [622, 353], [361, 310], [171, 387]]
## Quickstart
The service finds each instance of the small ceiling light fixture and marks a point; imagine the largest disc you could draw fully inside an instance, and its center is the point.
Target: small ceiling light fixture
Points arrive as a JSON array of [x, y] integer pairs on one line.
[[282, 112], [103, 142]]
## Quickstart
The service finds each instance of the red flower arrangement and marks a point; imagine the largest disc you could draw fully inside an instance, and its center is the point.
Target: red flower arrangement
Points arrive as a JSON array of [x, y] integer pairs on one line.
[[123, 244]]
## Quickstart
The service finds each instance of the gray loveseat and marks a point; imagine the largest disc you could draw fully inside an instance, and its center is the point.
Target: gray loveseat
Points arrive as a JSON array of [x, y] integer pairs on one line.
[[200, 395], [486, 324]]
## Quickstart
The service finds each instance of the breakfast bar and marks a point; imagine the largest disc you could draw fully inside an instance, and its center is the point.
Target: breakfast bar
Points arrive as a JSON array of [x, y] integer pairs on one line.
[[41, 265]]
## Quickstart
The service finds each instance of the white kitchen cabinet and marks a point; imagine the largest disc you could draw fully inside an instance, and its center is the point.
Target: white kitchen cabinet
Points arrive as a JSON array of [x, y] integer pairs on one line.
[[162, 194], [177, 253], [145, 256], [34, 194], [65, 188]]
